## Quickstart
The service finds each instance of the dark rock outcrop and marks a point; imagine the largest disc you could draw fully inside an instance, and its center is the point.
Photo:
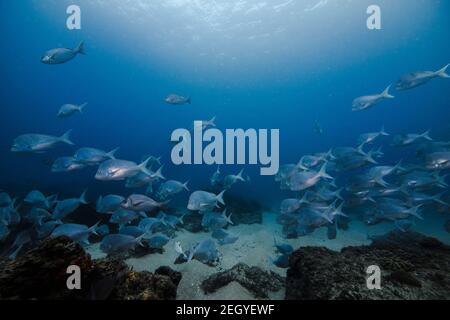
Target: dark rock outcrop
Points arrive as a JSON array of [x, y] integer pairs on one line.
[[254, 279], [41, 274], [412, 266]]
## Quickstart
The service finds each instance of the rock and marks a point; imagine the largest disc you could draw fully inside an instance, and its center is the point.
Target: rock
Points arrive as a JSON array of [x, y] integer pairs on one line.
[[47, 264], [107, 278], [253, 279], [413, 266], [146, 286], [175, 276]]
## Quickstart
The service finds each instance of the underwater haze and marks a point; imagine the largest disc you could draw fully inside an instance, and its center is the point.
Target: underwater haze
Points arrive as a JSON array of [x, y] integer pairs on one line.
[[310, 68]]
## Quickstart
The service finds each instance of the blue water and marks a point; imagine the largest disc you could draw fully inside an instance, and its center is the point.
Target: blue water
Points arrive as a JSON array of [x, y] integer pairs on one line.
[[250, 63]]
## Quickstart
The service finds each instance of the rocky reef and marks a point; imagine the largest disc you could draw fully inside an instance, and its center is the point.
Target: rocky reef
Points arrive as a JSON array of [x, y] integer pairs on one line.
[[41, 274], [254, 279], [412, 266]]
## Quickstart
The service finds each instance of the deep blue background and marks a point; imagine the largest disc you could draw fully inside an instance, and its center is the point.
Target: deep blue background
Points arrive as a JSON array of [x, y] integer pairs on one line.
[[125, 77]]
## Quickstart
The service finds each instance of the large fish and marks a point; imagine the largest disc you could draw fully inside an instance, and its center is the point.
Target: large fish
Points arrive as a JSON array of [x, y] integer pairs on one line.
[[175, 99], [417, 79], [366, 102], [38, 143], [117, 170], [62, 55]]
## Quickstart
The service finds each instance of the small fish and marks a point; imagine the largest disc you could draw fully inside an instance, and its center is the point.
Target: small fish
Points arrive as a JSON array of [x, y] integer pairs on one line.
[[307, 179], [209, 123], [117, 170], [93, 156], [38, 143], [151, 224], [69, 110], [368, 138], [177, 100], [109, 204], [45, 229], [36, 198], [140, 202], [120, 243], [62, 55], [365, 102], [231, 179], [229, 239], [157, 241], [171, 188], [409, 139], [142, 179], [123, 216], [202, 200], [66, 164], [417, 79], [204, 252], [134, 231], [215, 179], [66, 207], [216, 220], [77, 232]]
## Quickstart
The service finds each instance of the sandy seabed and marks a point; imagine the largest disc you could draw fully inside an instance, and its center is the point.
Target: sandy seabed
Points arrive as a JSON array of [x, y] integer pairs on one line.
[[254, 246]]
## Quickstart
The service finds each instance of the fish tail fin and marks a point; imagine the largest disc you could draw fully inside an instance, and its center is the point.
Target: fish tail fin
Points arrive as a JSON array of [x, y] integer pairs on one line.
[[82, 106], [369, 157], [239, 175], [66, 137], [360, 148], [386, 94], [188, 100], [80, 49], [228, 218], [383, 132], [112, 153], [83, 197], [339, 210], [93, 229], [441, 180], [143, 166], [158, 173], [414, 211], [323, 173], [185, 186], [338, 194], [219, 197], [380, 181], [426, 135], [398, 167], [330, 155], [212, 122], [443, 72], [301, 166], [437, 198]]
